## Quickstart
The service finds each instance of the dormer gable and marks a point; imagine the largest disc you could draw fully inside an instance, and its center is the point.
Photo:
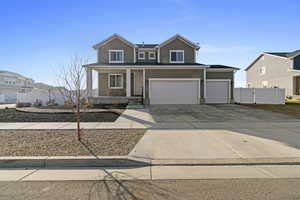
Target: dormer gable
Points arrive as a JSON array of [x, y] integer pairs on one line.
[[112, 37]]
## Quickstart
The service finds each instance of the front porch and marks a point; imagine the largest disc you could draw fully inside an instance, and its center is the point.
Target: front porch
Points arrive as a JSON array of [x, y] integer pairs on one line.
[[117, 86], [107, 100]]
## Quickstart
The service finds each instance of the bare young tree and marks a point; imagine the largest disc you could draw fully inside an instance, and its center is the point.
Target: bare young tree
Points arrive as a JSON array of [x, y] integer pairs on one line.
[[71, 81]]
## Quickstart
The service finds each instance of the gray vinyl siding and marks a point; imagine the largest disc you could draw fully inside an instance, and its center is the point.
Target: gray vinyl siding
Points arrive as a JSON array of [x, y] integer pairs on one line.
[[173, 73], [103, 86], [222, 75], [147, 60], [277, 73], [177, 44], [297, 62], [115, 44]]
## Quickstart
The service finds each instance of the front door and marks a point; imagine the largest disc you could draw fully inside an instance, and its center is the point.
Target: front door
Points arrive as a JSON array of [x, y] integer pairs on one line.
[[138, 83]]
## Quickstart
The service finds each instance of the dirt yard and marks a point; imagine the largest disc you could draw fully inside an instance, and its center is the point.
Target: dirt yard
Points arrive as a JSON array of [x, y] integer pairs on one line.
[[12, 115], [65, 143], [291, 109]]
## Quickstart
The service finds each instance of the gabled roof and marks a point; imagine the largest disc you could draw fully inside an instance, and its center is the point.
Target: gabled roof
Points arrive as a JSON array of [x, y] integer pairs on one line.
[[115, 35], [279, 54], [178, 36], [14, 74], [146, 63], [285, 54], [222, 67]]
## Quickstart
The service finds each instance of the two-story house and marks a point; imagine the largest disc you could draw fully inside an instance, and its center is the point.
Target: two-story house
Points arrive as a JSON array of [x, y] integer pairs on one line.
[[165, 73], [11, 83], [276, 70]]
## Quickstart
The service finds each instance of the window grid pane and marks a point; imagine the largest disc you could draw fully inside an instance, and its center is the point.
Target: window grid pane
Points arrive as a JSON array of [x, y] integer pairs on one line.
[[116, 56], [179, 56], [176, 56], [118, 81], [173, 56]]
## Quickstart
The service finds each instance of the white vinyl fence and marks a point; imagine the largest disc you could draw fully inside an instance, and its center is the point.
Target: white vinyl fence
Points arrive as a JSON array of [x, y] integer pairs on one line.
[[42, 95], [2, 98], [259, 95]]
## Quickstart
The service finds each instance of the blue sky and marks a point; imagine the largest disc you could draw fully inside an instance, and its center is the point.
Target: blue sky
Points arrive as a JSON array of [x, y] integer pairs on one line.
[[37, 37]]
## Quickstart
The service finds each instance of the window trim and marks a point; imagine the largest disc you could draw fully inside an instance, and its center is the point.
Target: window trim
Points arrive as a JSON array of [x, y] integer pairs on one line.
[[109, 86], [263, 70], [171, 51], [152, 52], [115, 50], [265, 84], [141, 52]]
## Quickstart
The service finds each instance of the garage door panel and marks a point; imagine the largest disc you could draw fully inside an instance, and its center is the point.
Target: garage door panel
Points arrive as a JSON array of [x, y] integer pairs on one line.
[[174, 91], [217, 92]]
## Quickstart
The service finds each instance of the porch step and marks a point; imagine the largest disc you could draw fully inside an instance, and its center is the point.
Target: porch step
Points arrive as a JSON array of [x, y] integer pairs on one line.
[[136, 103], [135, 106]]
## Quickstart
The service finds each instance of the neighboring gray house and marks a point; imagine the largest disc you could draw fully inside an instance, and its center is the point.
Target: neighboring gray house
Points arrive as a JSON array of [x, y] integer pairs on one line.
[[276, 69], [11, 83], [165, 73]]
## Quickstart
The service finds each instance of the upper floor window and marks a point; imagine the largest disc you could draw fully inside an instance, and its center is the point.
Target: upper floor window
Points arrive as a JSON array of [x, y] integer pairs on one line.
[[262, 70], [115, 81], [116, 56], [176, 56], [152, 56], [141, 55]]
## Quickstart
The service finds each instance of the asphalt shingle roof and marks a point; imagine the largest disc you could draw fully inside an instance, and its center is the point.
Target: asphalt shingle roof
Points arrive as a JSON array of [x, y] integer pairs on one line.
[[146, 45], [284, 54]]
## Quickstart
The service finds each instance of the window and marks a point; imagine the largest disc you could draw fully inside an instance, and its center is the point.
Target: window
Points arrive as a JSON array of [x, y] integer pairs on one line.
[[262, 70], [116, 56], [115, 81], [142, 55], [152, 56], [176, 56], [265, 84]]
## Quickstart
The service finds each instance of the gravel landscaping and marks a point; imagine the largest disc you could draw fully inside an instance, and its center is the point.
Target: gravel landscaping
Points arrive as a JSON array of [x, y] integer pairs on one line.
[[65, 143], [13, 115]]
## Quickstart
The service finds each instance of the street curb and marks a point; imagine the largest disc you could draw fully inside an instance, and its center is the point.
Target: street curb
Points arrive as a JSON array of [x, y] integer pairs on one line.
[[226, 161], [71, 162], [128, 161]]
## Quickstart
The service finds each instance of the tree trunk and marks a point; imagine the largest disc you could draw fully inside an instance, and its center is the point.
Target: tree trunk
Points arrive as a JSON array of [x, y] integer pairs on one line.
[[78, 123]]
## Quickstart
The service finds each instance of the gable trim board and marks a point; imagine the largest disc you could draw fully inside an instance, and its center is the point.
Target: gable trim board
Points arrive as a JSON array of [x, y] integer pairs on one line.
[[180, 37], [112, 37]]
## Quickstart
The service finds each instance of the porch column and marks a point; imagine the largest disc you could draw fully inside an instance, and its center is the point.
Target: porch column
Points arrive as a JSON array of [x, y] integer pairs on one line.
[[204, 84], [89, 82], [144, 84], [128, 82]]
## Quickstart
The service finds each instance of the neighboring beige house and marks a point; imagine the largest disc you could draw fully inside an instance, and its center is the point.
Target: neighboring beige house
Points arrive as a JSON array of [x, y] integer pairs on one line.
[[276, 69], [165, 73], [11, 83]]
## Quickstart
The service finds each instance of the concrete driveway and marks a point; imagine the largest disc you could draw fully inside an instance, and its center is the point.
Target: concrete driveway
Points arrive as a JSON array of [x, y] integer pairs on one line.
[[219, 132], [213, 113]]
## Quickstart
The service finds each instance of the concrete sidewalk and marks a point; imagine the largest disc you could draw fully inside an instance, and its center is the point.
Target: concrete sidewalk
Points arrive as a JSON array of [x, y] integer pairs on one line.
[[4, 106], [152, 173]]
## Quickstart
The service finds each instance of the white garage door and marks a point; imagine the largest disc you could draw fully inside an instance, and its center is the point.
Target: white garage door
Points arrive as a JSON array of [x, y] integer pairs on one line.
[[174, 91], [217, 91]]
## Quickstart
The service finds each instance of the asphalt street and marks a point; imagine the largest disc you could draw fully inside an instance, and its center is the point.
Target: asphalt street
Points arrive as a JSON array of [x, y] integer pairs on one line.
[[233, 189]]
